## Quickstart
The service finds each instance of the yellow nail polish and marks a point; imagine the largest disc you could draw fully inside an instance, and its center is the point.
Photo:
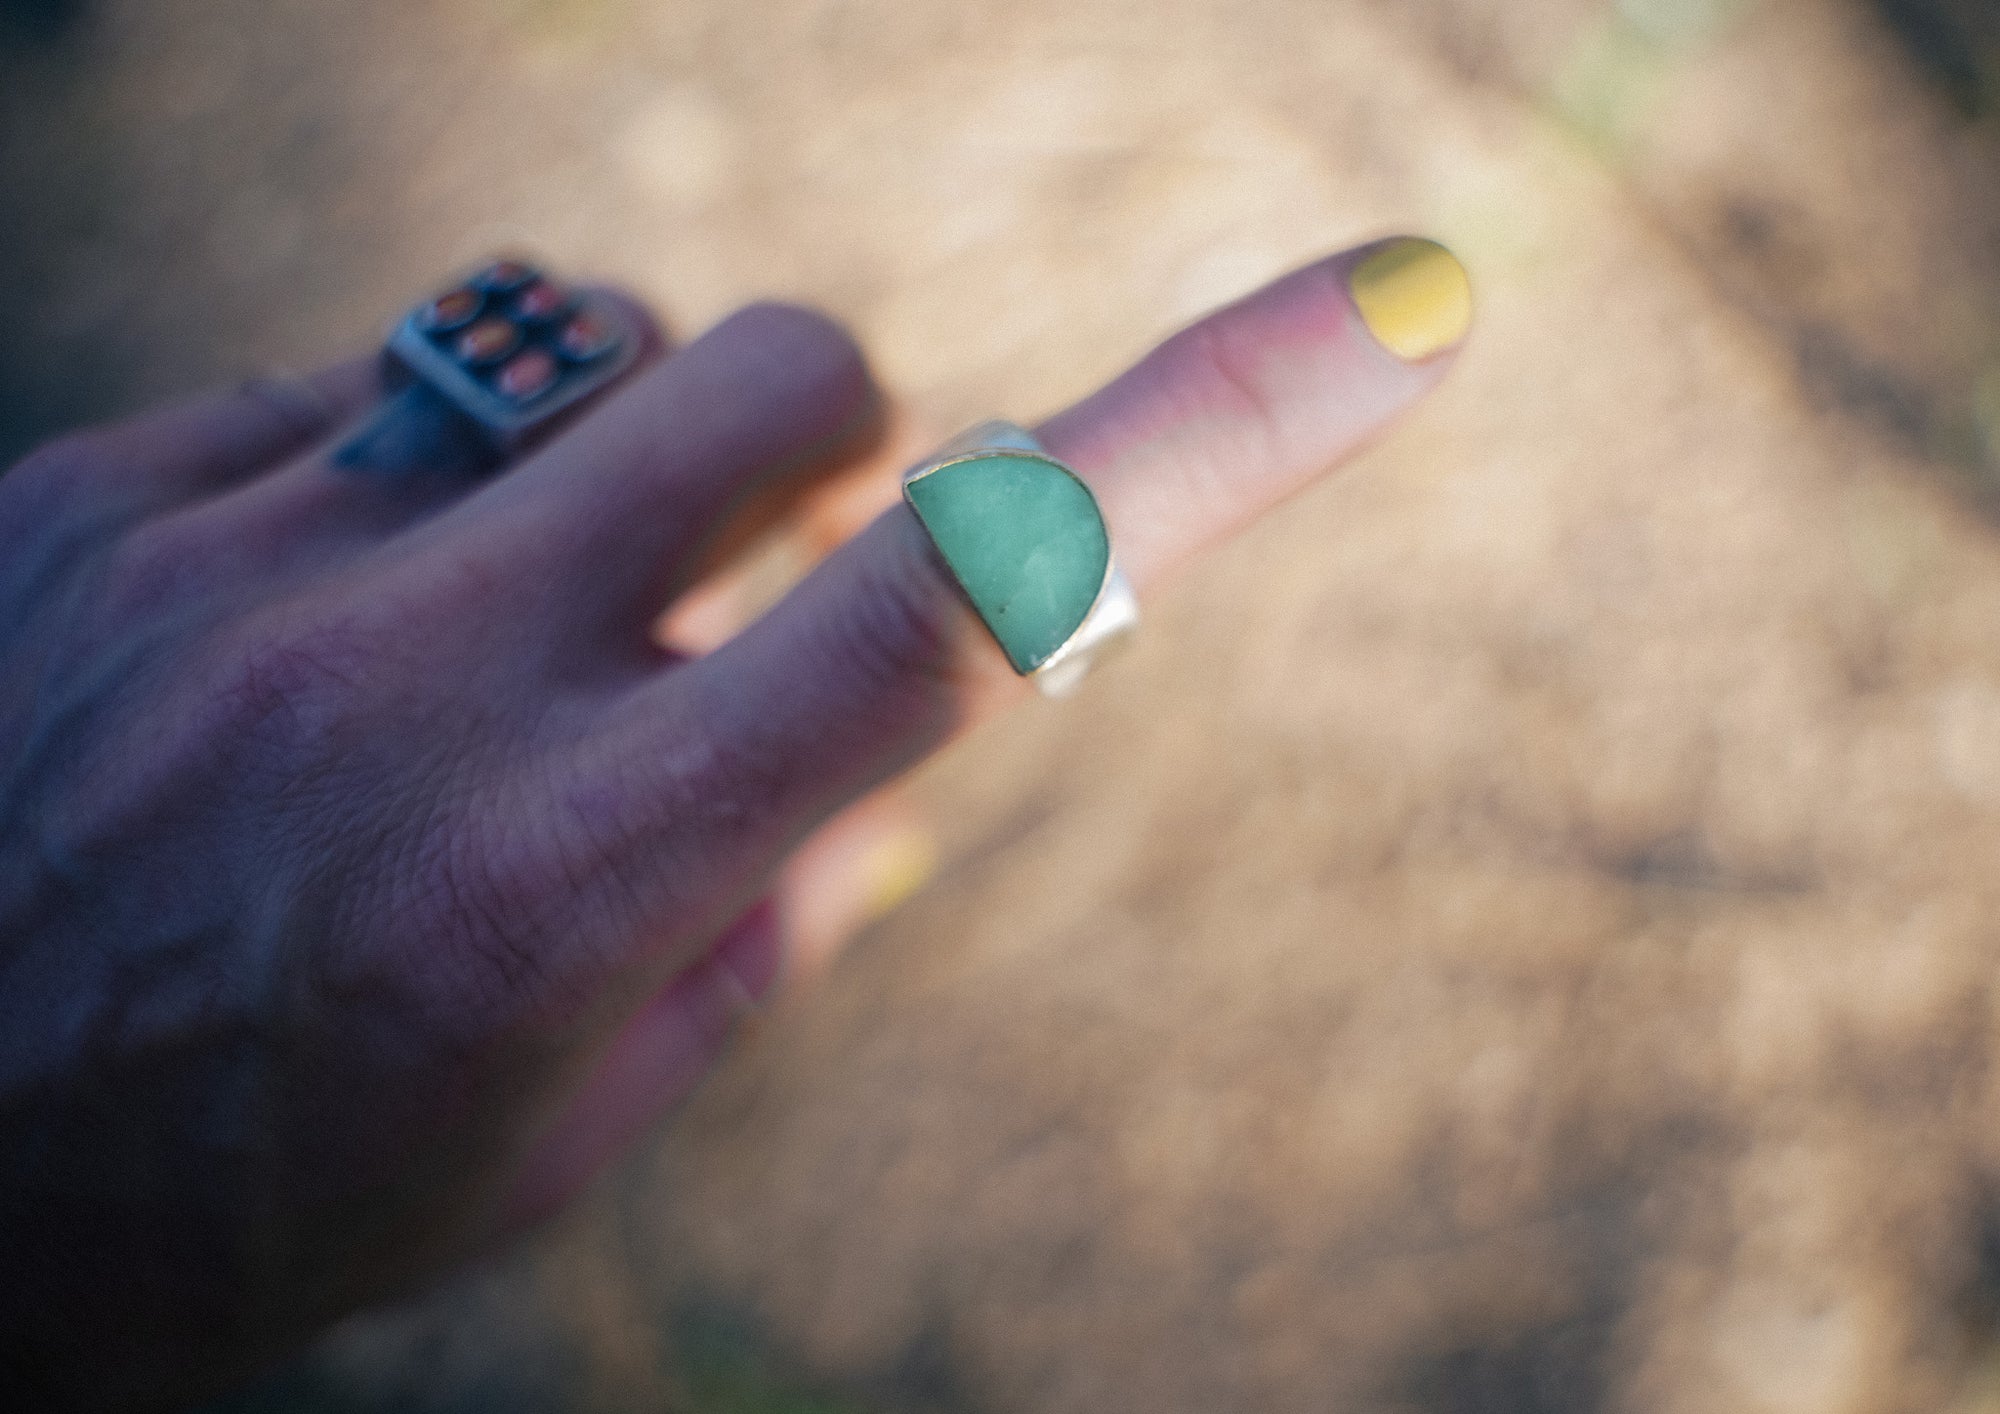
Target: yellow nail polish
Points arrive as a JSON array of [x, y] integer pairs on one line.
[[897, 866], [1414, 296]]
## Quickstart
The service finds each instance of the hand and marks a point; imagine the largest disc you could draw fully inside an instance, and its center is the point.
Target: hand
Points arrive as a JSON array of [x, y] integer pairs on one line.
[[367, 872]]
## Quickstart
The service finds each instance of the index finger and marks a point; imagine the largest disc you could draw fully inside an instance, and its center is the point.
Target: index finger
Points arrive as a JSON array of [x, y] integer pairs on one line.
[[1247, 406], [876, 657]]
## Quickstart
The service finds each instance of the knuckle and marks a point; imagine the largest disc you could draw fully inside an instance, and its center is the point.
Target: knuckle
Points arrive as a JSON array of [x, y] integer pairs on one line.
[[494, 901], [1220, 376], [490, 902], [722, 783], [293, 678], [630, 832]]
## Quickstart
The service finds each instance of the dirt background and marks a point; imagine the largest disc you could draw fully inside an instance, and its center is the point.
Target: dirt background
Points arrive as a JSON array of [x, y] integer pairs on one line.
[[1517, 936]]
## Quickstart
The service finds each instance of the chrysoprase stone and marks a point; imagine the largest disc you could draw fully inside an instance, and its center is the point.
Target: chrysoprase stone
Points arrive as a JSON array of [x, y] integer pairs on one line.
[[1026, 542]]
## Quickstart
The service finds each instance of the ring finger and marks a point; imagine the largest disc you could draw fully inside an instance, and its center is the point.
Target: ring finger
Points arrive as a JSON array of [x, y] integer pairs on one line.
[[390, 460]]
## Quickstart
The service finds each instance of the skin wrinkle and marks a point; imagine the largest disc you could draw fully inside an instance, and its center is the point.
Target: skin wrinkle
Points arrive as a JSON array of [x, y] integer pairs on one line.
[[189, 758], [692, 810], [537, 868], [676, 825], [432, 1068], [891, 624], [906, 612], [413, 856], [502, 944], [1231, 375], [594, 832]]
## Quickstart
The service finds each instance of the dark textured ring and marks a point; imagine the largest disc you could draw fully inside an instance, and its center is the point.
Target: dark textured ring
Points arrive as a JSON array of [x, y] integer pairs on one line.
[[485, 366]]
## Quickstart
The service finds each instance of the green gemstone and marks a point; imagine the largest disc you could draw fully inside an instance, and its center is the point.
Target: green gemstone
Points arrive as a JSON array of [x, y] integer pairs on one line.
[[1024, 539]]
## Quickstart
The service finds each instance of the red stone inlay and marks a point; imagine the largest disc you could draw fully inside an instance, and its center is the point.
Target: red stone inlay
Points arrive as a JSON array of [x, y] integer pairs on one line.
[[541, 301], [448, 312], [506, 275], [586, 337], [531, 374], [488, 341]]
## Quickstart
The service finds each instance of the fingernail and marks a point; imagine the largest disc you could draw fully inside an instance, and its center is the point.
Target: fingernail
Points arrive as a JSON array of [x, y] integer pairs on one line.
[[1414, 297], [896, 866]]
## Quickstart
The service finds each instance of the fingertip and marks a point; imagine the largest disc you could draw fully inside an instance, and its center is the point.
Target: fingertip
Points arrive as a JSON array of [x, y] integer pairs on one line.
[[1412, 294], [796, 337]]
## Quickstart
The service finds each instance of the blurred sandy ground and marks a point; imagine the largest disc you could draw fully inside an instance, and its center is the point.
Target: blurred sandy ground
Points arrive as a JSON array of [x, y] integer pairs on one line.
[[1516, 937]]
